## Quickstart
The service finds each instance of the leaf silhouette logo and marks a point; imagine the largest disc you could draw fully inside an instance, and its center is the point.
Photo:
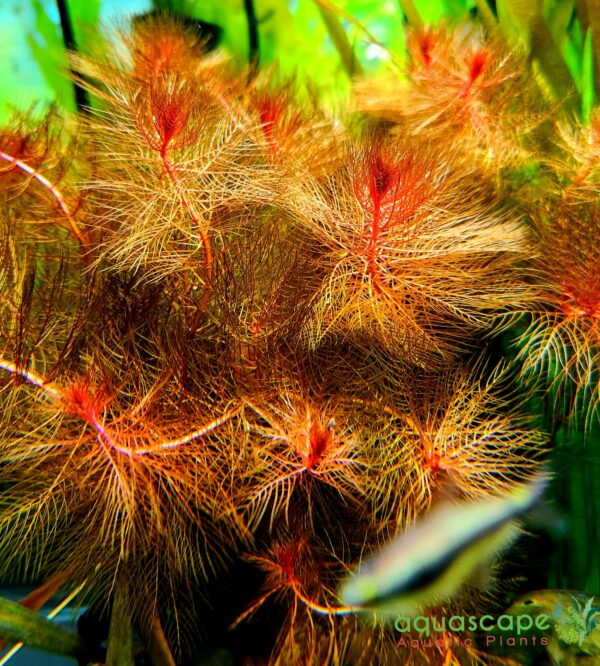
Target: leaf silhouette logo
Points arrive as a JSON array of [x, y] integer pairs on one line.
[[580, 620]]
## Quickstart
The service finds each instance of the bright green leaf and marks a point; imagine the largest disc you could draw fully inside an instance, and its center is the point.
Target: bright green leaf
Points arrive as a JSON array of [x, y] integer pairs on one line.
[[587, 79], [19, 624], [48, 49]]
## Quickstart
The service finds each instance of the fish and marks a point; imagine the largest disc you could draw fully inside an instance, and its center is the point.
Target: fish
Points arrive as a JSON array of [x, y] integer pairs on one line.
[[443, 551], [574, 619]]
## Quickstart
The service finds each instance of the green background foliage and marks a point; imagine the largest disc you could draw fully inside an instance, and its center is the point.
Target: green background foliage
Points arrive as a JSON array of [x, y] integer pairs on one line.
[[302, 38]]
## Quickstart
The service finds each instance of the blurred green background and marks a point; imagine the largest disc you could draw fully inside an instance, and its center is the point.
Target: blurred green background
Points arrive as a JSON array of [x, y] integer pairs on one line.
[[292, 34], [328, 40]]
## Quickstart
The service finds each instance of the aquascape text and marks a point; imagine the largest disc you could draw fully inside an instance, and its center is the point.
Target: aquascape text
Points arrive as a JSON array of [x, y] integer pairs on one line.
[[487, 623]]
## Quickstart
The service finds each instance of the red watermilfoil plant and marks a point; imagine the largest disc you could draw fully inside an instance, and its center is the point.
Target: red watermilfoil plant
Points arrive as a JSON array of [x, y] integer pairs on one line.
[[139, 479], [159, 46], [464, 90], [562, 342], [32, 167], [559, 349], [235, 331], [299, 138], [173, 156], [468, 434], [390, 190], [471, 66], [400, 229], [305, 446], [279, 120], [262, 289], [295, 581], [298, 573], [576, 165]]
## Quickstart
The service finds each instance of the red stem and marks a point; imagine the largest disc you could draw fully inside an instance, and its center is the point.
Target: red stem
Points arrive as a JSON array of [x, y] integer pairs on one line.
[[80, 235], [373, 269], [208, 258], [90, 415]]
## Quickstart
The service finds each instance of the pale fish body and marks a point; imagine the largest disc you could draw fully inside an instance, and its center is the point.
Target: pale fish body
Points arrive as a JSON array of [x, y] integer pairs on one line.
[[574, 636], [432, 561]]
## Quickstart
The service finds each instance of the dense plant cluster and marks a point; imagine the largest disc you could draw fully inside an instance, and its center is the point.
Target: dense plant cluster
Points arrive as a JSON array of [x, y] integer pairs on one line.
[[239, 333]]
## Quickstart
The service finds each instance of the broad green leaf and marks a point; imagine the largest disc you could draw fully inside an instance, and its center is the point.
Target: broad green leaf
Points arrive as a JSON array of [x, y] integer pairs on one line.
[[572, 51], [557, 14], [525, 19], [587, 79], [434, 11], [593, 17], [19, 624], [486, 14], [555, 70], [524, 12], [412, 14], [85, 17], [508, 25], [340, 39], [48, 49]]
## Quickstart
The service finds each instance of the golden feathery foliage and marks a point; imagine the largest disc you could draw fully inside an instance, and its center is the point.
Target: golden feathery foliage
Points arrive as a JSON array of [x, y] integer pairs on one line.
[[465, 89], [576, 165], [313, 450], [125, 481], [174, 152], [336, 463], [261, 295], [235, 335], [301, 139], [415, 255], [470, 432], [561, 344]]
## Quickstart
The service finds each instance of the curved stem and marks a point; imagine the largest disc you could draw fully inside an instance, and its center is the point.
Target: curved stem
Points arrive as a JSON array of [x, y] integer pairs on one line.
[[80, 235], [204, 430], [103, 434], [32, 378], [323, 610]]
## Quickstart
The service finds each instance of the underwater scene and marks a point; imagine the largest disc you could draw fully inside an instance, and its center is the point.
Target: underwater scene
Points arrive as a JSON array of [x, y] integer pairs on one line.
[[300, 332]]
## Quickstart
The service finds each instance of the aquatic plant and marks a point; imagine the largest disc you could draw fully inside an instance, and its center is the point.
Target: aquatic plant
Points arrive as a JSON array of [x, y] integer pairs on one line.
[[243, 339]]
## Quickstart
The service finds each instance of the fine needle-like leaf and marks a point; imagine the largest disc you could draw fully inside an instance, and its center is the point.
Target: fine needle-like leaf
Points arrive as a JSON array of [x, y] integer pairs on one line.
[[79, 234]]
